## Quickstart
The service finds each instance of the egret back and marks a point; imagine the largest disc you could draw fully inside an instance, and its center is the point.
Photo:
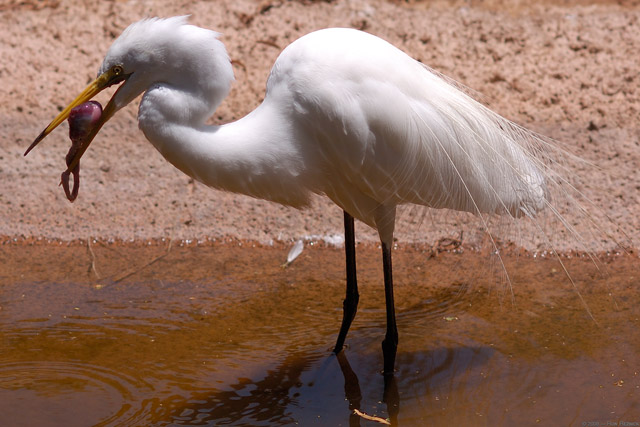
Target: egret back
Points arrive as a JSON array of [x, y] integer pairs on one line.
[[392, 131]]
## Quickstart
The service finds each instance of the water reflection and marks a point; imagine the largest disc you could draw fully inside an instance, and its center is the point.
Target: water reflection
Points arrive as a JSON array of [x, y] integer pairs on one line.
[[263, 402], [440, 368], [254, 349], [278, 397], [352, 391]]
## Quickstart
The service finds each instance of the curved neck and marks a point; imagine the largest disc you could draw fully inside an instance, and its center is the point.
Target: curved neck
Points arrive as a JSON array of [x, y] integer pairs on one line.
[[254, 155]]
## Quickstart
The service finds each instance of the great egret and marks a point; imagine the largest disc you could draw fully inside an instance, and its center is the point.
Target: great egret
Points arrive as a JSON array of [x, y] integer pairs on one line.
[[346, 114]]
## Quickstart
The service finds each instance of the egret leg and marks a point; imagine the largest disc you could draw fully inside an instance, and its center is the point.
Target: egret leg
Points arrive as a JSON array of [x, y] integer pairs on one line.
[[390, 343], [350, 304]]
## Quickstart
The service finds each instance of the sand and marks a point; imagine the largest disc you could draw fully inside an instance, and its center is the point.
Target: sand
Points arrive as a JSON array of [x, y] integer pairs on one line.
[[567, 69]]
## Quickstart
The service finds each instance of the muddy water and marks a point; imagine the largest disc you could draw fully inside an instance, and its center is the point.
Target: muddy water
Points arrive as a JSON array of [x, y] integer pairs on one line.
[[156, 335]]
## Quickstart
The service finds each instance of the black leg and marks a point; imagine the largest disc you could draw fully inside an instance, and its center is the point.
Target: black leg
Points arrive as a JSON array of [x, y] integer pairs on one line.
[[390, 343], [350, 304]]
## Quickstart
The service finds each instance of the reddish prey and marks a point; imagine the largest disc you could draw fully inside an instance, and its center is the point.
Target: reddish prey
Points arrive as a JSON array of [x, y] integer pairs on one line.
[[81, 120]]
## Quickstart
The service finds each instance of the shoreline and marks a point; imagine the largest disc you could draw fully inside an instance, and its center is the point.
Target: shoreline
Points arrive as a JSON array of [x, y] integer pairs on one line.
[[443, 247]]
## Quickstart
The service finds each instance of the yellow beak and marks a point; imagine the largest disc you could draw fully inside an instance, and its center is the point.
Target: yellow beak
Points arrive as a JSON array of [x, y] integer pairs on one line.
[[106, 79]]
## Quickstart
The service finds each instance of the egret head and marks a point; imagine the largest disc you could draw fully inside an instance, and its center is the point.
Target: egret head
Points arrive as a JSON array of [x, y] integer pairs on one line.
[[148, 51]]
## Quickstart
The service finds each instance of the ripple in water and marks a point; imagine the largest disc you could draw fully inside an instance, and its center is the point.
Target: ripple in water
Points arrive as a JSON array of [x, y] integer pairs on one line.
[[69, 394]]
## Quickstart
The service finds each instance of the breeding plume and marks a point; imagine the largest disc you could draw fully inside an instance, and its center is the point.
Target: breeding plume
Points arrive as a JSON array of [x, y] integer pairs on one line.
[[346, 115]]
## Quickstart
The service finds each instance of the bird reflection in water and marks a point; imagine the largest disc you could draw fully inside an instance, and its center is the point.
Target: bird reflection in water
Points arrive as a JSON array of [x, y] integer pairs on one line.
[[352, 392], [273, 399]]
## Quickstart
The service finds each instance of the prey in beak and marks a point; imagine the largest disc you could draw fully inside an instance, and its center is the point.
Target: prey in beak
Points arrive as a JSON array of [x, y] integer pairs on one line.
[[82, 120], [112, 76]]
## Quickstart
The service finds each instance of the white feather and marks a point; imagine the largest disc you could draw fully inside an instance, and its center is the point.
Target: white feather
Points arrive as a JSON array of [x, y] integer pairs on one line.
[[294, 252]]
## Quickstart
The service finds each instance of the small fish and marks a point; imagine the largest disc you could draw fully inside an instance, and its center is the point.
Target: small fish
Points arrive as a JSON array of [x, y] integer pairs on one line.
[[81, 120]]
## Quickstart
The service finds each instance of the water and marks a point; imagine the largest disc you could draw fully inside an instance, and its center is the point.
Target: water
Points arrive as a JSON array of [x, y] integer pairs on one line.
[[152, 335]]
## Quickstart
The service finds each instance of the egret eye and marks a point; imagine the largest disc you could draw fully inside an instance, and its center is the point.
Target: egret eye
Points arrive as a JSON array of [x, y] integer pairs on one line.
[[117, 69]]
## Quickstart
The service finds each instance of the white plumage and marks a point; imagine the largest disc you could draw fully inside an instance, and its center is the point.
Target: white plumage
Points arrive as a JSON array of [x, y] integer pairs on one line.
[[346, 114]]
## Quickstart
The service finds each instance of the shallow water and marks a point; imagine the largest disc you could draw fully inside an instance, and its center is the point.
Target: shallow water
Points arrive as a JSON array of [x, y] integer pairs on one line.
[[159, 335]]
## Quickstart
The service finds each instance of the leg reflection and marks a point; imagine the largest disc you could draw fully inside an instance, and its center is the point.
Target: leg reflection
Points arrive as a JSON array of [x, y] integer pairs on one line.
[[352, 392], [351, 388], [391, 398]]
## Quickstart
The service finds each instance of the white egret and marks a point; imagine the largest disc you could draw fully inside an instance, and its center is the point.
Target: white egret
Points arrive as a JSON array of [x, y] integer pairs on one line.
[[346, 115]]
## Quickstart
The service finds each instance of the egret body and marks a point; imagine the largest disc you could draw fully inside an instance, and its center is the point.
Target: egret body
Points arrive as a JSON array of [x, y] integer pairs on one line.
[[346, 115]]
